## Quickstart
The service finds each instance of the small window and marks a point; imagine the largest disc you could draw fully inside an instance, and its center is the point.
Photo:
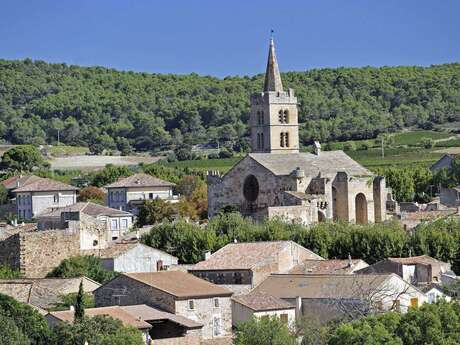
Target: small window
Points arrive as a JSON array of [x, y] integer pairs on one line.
[[114, 238], [284, 318], [282, 139], [150, 195], [191, 304], [216, 303], [95, 243], [124, 224], [414, 302], [286, 139], [56, 198], [286, 116], [19, 200], [114, 224], [280, 116], [159, 265]]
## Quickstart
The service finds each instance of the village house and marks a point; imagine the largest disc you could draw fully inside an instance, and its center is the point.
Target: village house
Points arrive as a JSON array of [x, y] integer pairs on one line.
[[242, 266], [127, 319], [445, 162], [117, 222], [435, 293], [133, 256], [130, 193], [417, 270], [326, 297], [36, 194], [277, 180], [175, 292], [261, 305], [45, 293], [348, 266]]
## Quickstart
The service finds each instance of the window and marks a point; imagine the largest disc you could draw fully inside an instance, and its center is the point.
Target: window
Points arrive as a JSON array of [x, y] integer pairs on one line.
[[124, 224], [280, 116], [114, 224], [284, 139], [216, 326], [160, 266], [95, 243], [19, 200], [260, 140], [56, 198], [251, 188], [216, 303], [191, 304], [150, 195], [237, 278], [284, 318], [283, 116], [114, 238], [414, 302]]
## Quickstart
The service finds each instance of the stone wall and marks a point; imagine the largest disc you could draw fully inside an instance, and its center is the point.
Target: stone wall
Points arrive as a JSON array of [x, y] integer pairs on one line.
[[40, 252], [187, 340], [9, 252]]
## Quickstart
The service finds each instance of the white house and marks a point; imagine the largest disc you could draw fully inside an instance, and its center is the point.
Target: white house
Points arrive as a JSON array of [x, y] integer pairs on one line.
[[135, 257], [129, 193], [37, 194], [260, 305]]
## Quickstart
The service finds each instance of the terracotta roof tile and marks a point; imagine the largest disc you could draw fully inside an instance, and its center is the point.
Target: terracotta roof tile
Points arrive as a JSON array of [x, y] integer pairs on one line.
[[180, 284], [88, 208], [413, 260], [140, 180], [327, 267], [44, 184], [260, 301]]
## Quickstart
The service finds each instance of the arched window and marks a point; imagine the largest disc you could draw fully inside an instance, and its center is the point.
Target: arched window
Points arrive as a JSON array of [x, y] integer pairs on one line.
[[286, 139], [260, 117], [281, 116], [261, 140], [251, 188], [361, 209], [282, 139], [286, 116]]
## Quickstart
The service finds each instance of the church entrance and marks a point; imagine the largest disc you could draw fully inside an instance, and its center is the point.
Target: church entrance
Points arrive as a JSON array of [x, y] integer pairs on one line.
[[321, 217], [361, 209]]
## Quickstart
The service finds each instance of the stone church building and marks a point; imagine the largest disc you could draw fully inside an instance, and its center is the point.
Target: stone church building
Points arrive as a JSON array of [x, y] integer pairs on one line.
[[278, 180]]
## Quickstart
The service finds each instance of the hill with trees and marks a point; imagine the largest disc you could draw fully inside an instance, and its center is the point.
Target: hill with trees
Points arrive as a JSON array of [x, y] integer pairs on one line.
[[108, 109]]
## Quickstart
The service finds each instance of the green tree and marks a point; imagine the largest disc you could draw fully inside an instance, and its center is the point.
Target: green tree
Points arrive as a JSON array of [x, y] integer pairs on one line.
[[155, 211], [25, 158], [80, 304], [10, 333], [93, 194], [109, 175], [85, 265], [264, 331]]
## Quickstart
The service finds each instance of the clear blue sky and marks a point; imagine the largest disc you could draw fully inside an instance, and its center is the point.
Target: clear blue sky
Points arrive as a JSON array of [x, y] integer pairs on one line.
[[223, 37]]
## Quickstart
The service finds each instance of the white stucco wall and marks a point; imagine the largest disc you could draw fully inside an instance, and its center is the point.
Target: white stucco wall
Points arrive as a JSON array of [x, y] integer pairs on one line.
[[241, 313], [34, 203]]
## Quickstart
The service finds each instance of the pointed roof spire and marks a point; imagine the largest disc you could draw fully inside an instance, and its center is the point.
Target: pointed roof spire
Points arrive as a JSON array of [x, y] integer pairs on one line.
[[272, 75]]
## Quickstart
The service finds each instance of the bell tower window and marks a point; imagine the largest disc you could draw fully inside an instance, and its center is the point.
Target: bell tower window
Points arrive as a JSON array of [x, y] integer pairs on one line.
[[283, 116], [284, 139], [260, 117], [260, 140]]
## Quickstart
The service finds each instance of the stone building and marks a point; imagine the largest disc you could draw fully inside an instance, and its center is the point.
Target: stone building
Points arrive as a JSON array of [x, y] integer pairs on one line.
[[36, 194], [128, 194], [445, 162], [175, 292], [242, 266], [276, 179]]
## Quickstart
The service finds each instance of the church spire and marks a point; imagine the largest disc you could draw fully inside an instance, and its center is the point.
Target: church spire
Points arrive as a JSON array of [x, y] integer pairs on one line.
[[272, 75]]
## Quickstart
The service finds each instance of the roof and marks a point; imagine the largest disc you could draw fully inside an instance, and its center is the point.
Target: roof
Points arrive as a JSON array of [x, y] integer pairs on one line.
[[89, 208], [13, 230], [326, 286], [38, 184], [115, 311], [180, 284], [272, 74], [327, 163], [146, 313], [245, 255], [140, 180], [16, 181], [327, 266], [117, 249], [413, 260], [260, 301], [43, 292]]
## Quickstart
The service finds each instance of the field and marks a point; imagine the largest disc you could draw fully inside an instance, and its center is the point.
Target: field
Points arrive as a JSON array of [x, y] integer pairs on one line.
[[97, 162], [414, 138]]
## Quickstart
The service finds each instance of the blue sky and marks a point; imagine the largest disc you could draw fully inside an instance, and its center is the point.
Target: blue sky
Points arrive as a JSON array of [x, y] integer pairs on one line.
[[220, 38]]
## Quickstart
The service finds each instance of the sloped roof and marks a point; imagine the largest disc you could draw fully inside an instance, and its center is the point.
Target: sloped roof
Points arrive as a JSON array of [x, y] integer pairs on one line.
[[413, 260], [328, 163], [180, 284], [146, 313], [117, 249], [115, 311], [260, 301], [89, 208], [328, 286], [13, 230], [245, 255], [15, 181], [44, 184], [326, 266], [140, 180]]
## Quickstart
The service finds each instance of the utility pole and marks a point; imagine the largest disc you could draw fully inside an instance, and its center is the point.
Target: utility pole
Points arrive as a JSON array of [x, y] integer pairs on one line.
[[383, 149], [58, 137]]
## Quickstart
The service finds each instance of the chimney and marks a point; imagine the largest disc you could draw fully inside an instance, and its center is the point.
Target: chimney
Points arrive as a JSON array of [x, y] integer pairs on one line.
[[317, 147], [350, 261], [72, 308], [207, 255]]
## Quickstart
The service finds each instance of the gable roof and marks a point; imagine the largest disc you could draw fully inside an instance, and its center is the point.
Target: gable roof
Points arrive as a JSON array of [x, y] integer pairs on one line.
[[115, 311], [180, 284], [413, 260], [16, 181], [328, 163], [260, 301], [327, 266], [140, 180], [146, 313], [327, 286], [246, 255], [117, 249], [89, 208], [40, 184]]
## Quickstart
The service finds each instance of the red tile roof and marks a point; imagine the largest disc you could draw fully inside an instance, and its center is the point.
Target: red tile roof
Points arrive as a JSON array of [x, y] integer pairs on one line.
[[140, 180]]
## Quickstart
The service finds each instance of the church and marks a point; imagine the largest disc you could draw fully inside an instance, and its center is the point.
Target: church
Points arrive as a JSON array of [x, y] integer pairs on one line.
[[277, 180]]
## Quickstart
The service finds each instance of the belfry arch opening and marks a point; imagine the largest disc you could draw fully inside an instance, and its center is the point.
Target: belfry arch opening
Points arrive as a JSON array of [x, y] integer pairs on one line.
[[361, 209]]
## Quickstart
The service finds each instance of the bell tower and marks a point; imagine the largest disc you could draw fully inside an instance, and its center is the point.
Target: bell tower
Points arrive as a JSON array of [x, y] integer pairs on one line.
[[274, 119]]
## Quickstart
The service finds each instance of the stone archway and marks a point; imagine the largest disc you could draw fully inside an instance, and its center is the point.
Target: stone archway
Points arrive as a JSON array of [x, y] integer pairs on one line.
[[251, 188], [361, 209], [321, 217]]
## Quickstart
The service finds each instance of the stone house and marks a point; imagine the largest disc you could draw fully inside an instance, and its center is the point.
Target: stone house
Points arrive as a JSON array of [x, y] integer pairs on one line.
[[450, 197], [37, 194], [135, 257], [276, 180], [242, 266], [327, 297], [116, 312], [445, 162], [44, 293], [129, 193], [417, 270], [175, 292], [334, 266], [260, 305], [117, 222]]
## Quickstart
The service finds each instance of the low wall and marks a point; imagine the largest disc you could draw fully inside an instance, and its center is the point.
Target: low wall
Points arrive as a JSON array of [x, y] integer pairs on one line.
[[190, 340]]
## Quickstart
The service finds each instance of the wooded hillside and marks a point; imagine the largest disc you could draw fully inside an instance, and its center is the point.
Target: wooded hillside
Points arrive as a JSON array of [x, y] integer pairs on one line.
[[105, 108]]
